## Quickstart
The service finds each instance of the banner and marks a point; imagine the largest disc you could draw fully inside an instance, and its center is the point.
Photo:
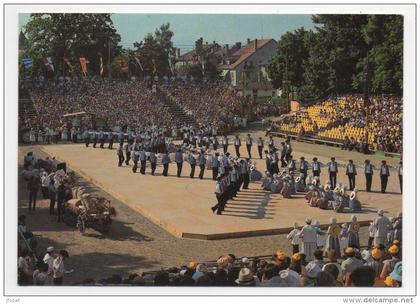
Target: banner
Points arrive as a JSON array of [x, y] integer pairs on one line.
[[28, 63], [101, 67], [70, 66], [48, 63], [139, 63], [83, 65]]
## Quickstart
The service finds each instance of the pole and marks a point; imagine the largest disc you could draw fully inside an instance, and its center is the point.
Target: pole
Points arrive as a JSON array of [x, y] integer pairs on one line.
[[109, 59]]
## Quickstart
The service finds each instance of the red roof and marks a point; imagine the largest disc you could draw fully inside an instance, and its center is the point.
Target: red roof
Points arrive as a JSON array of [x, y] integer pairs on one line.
[[245, 52]]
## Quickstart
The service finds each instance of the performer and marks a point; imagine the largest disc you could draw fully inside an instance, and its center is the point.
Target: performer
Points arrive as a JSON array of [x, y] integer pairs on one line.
[[332, 171], [225, 143], [249, 145], [354, 203], [316, 167], [270, 143], [260, 145], [110, 139], [303, 167], [215, 165], [120, 154], [333, 242], [219, 196], [142, 158], [93, 137], [153, 161], [351, 173], [165, 162], [368, 175], [179, 160], [237, 145], [192, 161], [86, 137], [384, 173], [127, 150], [135, 158], [309, 237], [202, 163], [245, 173], [353, 233], [291, 165]]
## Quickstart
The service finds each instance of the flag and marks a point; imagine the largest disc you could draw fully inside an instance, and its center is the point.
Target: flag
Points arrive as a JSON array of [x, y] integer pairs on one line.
[[48, 63], [101, 67], [83, 65], [28, 63], [139, 63], [67, 61]]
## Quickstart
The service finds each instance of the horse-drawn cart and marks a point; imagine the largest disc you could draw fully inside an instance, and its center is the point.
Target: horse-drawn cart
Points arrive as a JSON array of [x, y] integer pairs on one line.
[[85, 210]]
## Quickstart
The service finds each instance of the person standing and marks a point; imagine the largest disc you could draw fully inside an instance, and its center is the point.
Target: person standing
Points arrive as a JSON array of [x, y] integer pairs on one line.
[[245, 173], [101, 137], [381, 225], [33, 187], [351, 173], [178, 161], [332, 171], [120, 154], [249, 145], [94, 138], [225, 143], [237, 145], [58, 267], [384, 173], [291, 165], [110, 139], [268, 161], [215, 165], [202, 163], [260, 145], [165, 162], [293, 237], [225, 162], [192, 161], [52, 195], [309, 237], [86, 137], [45, 184], [153, 161], [316, 167], [288, 149], [215, 143], [368, 175], [142, 158], [135, 158], [61, 197], [303, 167], [270, 143], [121, 136], [219, 196], [400, 175], [127, 152]]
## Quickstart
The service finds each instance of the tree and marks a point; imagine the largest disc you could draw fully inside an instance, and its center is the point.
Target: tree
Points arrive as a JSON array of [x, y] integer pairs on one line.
[[73, 36], [291, 48], [155, 51]]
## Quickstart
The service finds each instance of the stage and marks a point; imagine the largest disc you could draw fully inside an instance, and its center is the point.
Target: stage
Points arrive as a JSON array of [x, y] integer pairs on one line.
[[182, 205]]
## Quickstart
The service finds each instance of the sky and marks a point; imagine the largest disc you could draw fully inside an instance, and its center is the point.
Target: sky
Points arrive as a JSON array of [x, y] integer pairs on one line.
[[187, 28]]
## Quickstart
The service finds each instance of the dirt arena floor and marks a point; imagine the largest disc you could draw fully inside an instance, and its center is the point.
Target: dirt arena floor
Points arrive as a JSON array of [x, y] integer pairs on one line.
[[136, 244]]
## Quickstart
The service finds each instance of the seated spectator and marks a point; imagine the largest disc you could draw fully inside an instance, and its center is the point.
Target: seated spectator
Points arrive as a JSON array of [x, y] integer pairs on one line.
[[362, 276]]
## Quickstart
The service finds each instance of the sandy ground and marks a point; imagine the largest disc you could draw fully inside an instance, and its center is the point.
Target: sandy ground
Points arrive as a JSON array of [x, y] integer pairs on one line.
[[135, 244]]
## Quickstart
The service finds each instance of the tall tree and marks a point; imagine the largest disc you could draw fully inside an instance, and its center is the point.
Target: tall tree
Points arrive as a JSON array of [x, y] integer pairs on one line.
[[155, 50], [73, 36], [291, 49]]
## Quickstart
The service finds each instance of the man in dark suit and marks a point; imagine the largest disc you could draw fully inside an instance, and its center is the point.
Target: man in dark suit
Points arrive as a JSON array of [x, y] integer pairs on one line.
[[384, 173]]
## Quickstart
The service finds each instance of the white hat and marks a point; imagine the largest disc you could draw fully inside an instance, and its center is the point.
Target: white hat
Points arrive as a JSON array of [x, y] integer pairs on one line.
[[353, 218], [245, 260], [327, 187], [308, 220], [381, 211], [314, 182], [50, 249], [344, 225]]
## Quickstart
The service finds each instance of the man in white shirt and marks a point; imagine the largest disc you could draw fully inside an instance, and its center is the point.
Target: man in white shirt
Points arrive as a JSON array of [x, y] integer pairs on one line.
[[309, 237], [49, 259], [294, 238], [58, 267]]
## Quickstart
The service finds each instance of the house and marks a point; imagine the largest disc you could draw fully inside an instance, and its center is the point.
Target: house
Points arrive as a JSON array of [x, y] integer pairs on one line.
[[197, 55], [246, 68]]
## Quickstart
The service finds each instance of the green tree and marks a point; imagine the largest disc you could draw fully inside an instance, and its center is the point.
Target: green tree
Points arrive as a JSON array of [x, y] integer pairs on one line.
[[291, 48], [154, 51], [73, 36]]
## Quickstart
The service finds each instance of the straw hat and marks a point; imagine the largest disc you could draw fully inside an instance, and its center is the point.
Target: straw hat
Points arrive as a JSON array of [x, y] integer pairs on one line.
[[245, 277], [393, 249]]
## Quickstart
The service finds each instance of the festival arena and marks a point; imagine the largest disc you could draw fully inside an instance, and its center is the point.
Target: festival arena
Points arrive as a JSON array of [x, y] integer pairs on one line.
[[244, 164], [182, 205]]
